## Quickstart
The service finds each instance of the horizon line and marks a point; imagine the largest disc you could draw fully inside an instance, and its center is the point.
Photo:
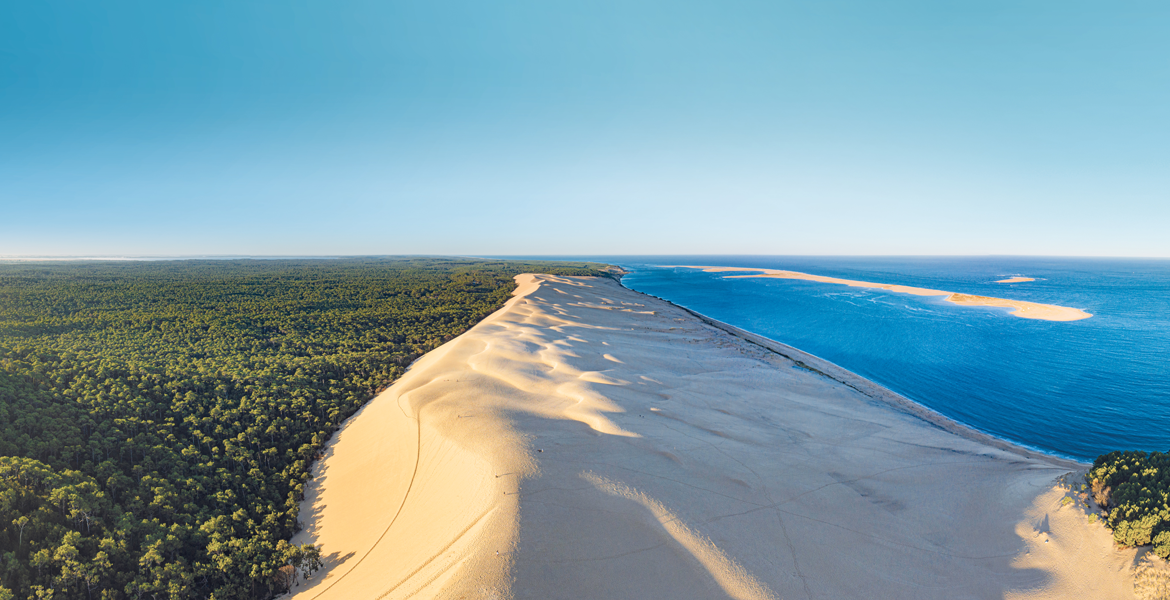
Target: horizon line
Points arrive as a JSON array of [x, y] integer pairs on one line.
[[165, 257]]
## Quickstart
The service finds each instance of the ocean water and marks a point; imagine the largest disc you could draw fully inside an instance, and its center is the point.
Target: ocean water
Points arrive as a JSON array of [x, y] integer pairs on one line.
[[1076, 389]]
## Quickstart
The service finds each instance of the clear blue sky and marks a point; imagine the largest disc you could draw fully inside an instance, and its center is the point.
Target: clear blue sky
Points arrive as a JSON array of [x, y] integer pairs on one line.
[[539, 127]]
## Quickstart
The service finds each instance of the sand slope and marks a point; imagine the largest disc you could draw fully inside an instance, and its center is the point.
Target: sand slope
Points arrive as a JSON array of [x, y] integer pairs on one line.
[[587, 441]]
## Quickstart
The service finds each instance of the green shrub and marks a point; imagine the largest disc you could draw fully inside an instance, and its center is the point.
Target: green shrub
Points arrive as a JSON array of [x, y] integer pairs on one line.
[[1162, 544]]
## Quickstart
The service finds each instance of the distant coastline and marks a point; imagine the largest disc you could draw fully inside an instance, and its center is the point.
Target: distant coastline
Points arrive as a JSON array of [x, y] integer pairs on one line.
[[1020, 308]]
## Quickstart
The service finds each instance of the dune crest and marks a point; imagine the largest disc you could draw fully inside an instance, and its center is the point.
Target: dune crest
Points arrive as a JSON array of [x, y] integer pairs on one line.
[[1020, 308], [590, 442]]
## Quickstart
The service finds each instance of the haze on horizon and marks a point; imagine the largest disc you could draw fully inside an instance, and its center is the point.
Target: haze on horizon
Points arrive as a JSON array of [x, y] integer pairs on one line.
[[524, 127]]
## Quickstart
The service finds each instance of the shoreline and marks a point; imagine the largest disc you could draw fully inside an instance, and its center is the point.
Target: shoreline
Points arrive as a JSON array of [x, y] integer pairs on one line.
[[591, 441], [876, 391]]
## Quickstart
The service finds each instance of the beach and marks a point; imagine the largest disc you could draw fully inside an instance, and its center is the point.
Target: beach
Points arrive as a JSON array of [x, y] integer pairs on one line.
[[1019, 308], [588, 441]]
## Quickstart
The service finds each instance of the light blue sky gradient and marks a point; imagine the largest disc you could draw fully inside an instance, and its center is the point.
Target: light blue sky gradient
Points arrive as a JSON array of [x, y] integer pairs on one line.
[[602, 127]]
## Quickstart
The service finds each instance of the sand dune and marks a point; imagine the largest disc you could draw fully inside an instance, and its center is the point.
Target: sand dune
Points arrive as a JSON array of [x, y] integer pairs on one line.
[[588, 442], [1020, 308]]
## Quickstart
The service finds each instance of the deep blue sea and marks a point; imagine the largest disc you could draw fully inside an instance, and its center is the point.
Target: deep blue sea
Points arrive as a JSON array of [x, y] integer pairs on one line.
[[1076, 389]]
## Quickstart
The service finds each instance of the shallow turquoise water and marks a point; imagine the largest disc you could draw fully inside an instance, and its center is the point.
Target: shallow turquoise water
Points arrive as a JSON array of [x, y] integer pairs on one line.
[[1076, 389]]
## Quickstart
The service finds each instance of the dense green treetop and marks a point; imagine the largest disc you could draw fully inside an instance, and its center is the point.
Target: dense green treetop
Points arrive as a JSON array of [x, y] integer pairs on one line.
[[158, 419], [1135, 488]]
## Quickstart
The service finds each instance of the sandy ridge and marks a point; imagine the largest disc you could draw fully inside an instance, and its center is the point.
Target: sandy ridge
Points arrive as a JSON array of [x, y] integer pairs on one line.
[[1020, 308], [587, 441]]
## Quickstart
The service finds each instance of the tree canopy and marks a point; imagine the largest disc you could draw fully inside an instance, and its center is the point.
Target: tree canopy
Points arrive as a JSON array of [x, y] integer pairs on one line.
[[1134, 487], [158, 419]]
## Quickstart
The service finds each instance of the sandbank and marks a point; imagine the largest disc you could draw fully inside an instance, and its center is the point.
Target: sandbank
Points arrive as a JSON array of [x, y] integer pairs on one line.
[[1020, 308], [588, 442], [1016, 280]]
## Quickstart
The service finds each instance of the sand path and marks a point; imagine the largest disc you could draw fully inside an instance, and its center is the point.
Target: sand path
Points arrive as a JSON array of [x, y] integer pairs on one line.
[[588, 441]]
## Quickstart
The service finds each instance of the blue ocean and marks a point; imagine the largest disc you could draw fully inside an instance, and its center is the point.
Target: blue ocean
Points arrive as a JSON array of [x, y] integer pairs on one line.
[[1076, 389]]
